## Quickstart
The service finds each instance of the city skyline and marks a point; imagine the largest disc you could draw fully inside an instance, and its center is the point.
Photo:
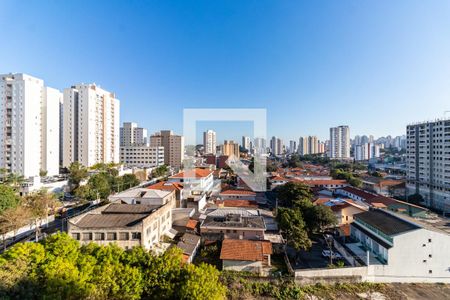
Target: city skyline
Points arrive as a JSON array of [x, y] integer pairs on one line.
[[370, 65]]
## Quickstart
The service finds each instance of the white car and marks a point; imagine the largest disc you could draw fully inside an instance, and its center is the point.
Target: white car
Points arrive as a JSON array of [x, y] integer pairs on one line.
[[334, 255]]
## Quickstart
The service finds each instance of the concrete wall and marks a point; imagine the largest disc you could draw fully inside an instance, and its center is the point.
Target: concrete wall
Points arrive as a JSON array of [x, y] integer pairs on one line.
[[242, 265]]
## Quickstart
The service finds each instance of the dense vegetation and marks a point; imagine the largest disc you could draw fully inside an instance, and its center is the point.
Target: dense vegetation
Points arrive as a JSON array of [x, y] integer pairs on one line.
[[298, 217], [101, 184], [59, 268]]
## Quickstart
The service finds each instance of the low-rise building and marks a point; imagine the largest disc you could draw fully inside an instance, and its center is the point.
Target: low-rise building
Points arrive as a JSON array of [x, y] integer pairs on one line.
[[142, 156], [246, 255], [232, 224], [401, 248], [189, 244], [171, 186], [127, 225], [238, 194], [144, 196]]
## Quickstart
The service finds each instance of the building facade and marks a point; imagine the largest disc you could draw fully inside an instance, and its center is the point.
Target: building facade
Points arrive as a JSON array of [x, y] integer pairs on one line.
[[142, 156], [91, 125], [132, 135], [230, 148], [209, 142], [428, 162], [173, 147], [340, 142], [29, 125]]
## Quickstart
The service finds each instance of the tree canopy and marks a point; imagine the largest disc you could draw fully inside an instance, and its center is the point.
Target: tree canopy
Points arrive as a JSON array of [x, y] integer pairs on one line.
[[59, 268], [8, 197]]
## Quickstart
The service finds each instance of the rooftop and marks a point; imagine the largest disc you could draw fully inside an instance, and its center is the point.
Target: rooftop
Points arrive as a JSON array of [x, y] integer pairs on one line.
[[234, 221], [166, 186], [195, 173], [188, 243], [142, 193], [363, 194], [238, 192], [245, 250], [386, 222]]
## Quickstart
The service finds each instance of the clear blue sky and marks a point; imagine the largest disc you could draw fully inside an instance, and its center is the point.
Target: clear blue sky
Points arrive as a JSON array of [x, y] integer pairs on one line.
[[374, 65]]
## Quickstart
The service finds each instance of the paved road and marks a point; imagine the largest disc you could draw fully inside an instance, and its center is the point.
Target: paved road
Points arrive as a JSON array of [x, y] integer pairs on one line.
[[59, 224]]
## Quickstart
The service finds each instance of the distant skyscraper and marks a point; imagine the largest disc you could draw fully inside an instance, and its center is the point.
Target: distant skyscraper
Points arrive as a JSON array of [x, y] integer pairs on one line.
[[276, 146], [132, 135], [313, 145], [173, 147], [230, 148], [292, 146], [209, 141], [428, 162], [91, 125], [303, 146], [246, 143], [260, 146], [366, 151], [340, 142], [29, 125]]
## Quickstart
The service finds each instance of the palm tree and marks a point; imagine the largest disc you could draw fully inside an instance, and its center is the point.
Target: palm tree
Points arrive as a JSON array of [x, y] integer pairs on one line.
[[15, 180]]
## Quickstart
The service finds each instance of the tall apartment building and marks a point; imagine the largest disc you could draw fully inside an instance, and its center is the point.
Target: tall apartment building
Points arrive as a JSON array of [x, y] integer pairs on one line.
[[292, 146], [209, 141], [259, 146], [230, 148], [276, 146], [142, 156], [29, 125], [91, 125], [428, 162], [309, 145], [246, 143], [173, 147], [340, 142], [366, 151], [131, 134]]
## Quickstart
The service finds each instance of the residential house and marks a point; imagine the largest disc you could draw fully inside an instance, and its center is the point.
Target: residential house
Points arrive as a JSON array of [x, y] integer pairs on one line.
[[246, 255]]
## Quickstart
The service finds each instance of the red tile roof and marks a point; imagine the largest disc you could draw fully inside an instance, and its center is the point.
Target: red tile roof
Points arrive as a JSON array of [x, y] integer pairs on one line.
[[245, 250], [237, 203], [237, 192], [324, 182], [195, 173], [191, 224], [166, 186]]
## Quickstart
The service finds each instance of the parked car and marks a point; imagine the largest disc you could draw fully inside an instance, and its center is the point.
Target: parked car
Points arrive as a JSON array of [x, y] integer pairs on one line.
[[334, 255]]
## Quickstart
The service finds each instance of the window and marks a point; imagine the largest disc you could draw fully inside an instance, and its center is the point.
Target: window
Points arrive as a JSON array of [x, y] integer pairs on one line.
[[99, 236], [135, 235], [87, 236], [429, 240], [430, 271], [111, 236], [123, 236], [429, 255], [76, 236]]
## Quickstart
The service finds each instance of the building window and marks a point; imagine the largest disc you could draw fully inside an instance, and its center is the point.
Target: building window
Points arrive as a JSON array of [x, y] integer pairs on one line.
[[430, 271], [87, 236], [429, 240], [135, 235], [99, 236], [123, 236], [111, 236], [429, 255], [76, 236]]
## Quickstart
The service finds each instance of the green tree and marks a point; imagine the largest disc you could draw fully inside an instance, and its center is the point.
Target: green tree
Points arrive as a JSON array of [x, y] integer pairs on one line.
[[323, 217], [13, 219], [8, 198], [129, 181], [101, 184], [416, 199], [290, 192], [39, 204], [77, 172], [293, 229], [201, 282], [160, 171], [15, 180]]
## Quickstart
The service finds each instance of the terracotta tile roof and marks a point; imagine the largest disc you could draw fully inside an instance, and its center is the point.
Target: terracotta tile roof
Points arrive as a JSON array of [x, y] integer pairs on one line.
[[195, 173], [166, 186], [237, 192], [191, 224], [324, 182], [278, 178], [245, 250], [322, 200], [237, 203]]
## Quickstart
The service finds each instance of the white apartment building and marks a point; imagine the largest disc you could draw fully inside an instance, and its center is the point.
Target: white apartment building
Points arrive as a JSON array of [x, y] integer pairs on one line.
[[366, 151], [132, 135], [29, 125], [340, 142], [246, 143], [91, 125], [173, 147], [142, 156], [276, 146], [209, 142], [292, 146], [428, 162]]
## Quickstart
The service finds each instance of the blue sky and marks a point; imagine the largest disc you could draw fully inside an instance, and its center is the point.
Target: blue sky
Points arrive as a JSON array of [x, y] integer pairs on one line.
[[374, 65]]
